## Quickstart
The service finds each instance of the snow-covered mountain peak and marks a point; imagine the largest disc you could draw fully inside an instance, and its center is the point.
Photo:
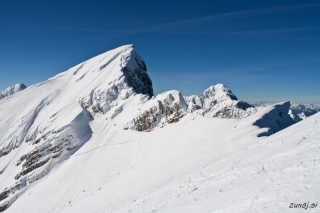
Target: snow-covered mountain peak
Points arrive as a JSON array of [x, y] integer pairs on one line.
[[90, 106], [11, 90], [218, 92], [49, 121]]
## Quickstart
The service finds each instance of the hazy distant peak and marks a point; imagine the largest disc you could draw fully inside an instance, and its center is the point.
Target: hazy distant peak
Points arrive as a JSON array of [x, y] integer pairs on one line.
[[11, 90]]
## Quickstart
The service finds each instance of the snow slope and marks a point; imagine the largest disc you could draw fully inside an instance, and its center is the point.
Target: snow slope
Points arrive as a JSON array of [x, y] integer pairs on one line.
[[95, 139], [196, 165]]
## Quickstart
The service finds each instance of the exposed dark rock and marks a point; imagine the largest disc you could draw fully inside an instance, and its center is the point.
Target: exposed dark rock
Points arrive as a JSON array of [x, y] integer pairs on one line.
[[168, 108], [223, 113], [37, 141], [3, 207], [147, 119], [135, 71], [34, 166], [4, 194], [243, 105], [138, 79]]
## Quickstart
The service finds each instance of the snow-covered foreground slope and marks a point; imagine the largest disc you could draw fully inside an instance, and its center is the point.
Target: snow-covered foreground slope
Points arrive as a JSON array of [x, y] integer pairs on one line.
[[196, 165], [95, 139]]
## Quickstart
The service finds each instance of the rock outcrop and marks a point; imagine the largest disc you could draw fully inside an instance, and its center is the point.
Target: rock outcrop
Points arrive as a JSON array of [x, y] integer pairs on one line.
[[169, 107], [166, 108]]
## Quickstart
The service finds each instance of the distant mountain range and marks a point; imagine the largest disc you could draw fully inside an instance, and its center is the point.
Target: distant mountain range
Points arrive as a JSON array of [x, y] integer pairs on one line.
[[297, 111]]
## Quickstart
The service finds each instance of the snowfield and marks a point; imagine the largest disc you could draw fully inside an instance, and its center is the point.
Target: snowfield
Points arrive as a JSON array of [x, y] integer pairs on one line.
[[95, 139]]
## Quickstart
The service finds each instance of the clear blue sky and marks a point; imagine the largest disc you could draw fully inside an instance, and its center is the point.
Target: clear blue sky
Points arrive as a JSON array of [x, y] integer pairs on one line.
[[262, 50]]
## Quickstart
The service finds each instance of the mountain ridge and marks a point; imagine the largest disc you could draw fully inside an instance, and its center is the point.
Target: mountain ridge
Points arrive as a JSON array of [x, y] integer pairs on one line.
[[44, 125]]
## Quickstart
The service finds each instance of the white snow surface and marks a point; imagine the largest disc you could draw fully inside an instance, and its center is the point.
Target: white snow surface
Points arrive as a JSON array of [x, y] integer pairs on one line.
[[70, 144], [12, 90], [200, 165]]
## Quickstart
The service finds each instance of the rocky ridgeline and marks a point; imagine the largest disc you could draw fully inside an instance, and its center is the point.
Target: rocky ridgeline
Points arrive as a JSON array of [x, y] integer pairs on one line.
[[169, 107]]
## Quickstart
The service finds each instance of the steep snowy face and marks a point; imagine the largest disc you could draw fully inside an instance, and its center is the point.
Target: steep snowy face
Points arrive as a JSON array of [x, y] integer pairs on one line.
[[11, 90], [44, 124]]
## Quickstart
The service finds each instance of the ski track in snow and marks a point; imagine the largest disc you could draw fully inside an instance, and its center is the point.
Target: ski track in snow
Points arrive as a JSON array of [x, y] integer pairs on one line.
[[116, 144]]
